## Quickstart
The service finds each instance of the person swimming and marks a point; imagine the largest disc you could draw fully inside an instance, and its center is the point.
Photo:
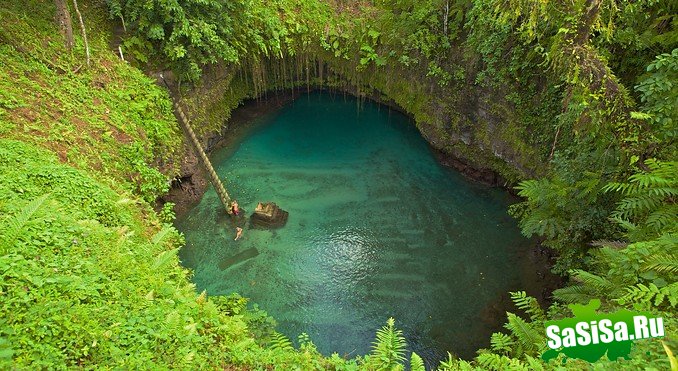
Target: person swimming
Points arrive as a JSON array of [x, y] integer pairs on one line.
[[235, 208], [238, 233]]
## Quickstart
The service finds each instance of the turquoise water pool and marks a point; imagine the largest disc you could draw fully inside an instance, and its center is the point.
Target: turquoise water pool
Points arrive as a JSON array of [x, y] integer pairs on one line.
[[377, 229]]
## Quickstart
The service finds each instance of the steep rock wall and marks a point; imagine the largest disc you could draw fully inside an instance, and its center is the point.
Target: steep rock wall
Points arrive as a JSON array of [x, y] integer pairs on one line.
[[476, 129]]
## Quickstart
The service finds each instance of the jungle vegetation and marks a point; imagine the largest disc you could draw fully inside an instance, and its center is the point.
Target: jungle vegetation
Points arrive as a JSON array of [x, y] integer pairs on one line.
[[585, 92]]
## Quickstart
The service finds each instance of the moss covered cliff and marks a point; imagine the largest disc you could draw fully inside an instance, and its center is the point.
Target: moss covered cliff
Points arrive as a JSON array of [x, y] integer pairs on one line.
[[90, 273]]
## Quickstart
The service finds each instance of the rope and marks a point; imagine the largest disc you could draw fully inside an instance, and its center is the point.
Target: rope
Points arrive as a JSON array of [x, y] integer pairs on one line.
[[214, 178]]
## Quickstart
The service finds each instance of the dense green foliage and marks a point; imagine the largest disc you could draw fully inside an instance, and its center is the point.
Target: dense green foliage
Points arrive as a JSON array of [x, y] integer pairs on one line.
[[188, 34], [581, 94], [90, 274]]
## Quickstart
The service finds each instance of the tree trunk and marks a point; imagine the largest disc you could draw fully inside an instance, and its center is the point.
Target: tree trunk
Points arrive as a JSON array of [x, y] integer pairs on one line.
[[447, 17], [63, 19], [82, 29]]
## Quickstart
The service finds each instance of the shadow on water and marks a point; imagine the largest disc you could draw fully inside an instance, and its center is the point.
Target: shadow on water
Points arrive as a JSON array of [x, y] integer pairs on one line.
[[377, 229]]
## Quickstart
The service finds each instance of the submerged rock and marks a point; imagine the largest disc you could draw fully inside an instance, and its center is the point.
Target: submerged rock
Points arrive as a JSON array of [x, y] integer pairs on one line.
[[268, 215], [239, 258]]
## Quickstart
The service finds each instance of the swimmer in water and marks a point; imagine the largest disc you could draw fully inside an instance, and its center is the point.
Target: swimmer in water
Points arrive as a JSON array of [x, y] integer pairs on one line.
[[235, 208], [238, 233]]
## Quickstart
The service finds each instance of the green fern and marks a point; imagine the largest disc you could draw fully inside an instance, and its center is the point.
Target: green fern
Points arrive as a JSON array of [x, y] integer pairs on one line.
[[416, 363], [453, 363], [15, 225], [598, 283], [541, 220], [388, 350], [528, 339], [281, 342], [662, 263], [528, 304], [610, 255], [651, 294], [534, 364], [649, 206], [162, 235], [501, 343], [491, 361], [574, 294], [165, 258], [590, 286]]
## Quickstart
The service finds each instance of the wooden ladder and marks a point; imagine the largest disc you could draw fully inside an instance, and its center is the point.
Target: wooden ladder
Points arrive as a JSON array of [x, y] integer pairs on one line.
[[216, 182]]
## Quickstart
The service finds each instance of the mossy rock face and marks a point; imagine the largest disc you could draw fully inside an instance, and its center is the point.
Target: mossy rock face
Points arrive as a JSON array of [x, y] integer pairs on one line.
[[485, 128]]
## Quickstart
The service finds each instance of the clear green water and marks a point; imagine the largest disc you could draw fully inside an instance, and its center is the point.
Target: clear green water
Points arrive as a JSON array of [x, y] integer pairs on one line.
[[377, 228]]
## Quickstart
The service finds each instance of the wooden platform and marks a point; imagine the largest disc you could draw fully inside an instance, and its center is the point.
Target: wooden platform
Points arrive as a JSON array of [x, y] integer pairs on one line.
[[268, 215]]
